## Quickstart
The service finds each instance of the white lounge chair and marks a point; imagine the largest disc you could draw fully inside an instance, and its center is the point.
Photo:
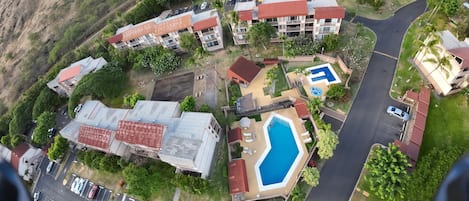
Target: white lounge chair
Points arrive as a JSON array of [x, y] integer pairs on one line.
[[247, 134], [249, 140], [305, 133], [308, 140]]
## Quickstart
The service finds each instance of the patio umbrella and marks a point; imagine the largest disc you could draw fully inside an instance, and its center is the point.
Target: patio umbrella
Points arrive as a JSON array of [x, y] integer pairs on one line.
[[245, 122]]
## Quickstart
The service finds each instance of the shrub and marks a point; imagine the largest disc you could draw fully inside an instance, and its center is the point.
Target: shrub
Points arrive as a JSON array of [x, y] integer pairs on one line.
[[131, 100], [336, 92]]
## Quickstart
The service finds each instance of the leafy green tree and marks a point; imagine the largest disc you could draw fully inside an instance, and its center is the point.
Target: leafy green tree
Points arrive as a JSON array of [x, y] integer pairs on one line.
[[387, 173], [6, 140], [16, 140], [204, 108], [22, 115], [200, 53], [233, 18], [188, 104], [150, 179], [131, 100], [188, 42], [330, 42], [297, 194], [336, 92], [260, 34], [327, 142], [58, 148], [431, 169], [442, 63], [46, 101], [45, 121], [311, 176], [448, 7], [194, 185], [300, 46], [4, 123], [218, 4], [315, 105], [271, 75], [158, 59]]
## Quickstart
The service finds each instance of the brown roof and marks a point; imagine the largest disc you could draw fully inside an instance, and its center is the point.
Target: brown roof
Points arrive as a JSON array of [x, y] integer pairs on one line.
[[96, 137], [282, 9], [424, 96], [412, 95], [462, 53], [420, 121], [69, 72], [301, 109], [115, 38], [245, 68], [269, 61], [235, 135], [157, 29], [237, 177], [411, 150], [329, 12], [417, 136], [422, 109], [17, 153], [146, 134], [205, 24], [245, 15]]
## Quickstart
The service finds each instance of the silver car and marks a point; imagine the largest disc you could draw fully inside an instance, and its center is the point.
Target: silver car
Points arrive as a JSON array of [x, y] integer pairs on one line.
[[394, 111]]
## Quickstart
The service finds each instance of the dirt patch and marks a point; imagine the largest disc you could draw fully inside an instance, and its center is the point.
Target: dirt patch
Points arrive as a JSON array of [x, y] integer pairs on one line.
[[109, 180], [174, 88]]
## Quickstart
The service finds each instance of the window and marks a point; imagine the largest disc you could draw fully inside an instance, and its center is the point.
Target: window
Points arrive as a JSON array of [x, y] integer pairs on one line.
[[459, 60], [211, 44], [328, 20], [459, 77], [293, 18], [466, 69], [326, 29]]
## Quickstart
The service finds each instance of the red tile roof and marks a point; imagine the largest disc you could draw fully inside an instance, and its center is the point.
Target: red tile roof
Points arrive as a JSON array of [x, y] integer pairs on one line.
[[420, 121], [245, 68], [174, 24], [422, 109], [424, 96], [245, 15], [237, 177], [269, 61], [235, 135], [417, 136], [95, 137], [205, 24], [282, 9], [462, 53], [412, 95], [17, 153], [146, 134], [69, 72], [115, 38], [302, 109], [329, 12]]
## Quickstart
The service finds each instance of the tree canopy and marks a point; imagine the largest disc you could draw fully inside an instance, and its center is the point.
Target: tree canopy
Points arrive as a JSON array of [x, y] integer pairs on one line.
[[188, 42], [336, 92], [300, 46], [100, 161], [131, 100], [259, 34], [330, 42], [58, 148], [45, 121], [150, 179], [158, 59], [194, 185], [46, 101], [430, 171], [327, 142], [315, 105], [188, 104], [387, 173], [311, 176], [448, 7]]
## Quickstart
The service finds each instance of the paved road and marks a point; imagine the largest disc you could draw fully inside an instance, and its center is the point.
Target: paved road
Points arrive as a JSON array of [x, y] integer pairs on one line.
[[367, 122]]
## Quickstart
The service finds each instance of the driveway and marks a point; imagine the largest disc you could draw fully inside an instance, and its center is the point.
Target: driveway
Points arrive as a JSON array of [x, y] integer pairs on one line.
[[367, 122]]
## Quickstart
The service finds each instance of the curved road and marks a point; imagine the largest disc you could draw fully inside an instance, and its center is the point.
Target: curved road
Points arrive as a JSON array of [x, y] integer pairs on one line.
[[366, 122]]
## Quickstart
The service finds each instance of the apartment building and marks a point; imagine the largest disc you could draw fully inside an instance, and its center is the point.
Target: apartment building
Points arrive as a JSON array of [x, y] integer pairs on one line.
[[165, 30], [291, 18], [67, 79], [154, 129], [448, 78]]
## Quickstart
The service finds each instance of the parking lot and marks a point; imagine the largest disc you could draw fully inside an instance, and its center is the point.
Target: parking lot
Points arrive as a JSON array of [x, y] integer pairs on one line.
[[174, 88], [103, 194]]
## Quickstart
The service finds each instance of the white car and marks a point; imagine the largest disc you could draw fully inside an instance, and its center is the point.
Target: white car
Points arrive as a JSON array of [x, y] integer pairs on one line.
[[394, 111], [203, 5], [36, 196], [74, 185], [50, 166]]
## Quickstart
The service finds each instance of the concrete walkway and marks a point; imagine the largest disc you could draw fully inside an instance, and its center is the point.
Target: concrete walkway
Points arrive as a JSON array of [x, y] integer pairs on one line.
[[334, 114], [177, 193]]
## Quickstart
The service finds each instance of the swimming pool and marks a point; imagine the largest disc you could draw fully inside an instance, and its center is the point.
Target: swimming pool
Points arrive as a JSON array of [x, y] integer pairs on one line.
[[323, 73], [281, 157]]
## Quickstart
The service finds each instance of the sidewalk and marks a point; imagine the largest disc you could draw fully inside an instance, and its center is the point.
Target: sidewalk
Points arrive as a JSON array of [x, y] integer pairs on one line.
[[333, 114]]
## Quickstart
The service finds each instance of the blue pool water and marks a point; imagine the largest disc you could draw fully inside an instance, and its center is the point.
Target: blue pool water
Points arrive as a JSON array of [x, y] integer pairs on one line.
[[282, 154], [328, 74]]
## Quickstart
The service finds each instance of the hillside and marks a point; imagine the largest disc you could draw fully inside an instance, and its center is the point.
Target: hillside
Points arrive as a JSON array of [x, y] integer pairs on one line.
[[30, 31]]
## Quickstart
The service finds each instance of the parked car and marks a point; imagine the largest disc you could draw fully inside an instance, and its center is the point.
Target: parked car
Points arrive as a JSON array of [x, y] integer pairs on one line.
[[93, 192], [80, 186], [394, 111], [74, 185], [50, 166], [78, 108], [203, 6], [36, 196]]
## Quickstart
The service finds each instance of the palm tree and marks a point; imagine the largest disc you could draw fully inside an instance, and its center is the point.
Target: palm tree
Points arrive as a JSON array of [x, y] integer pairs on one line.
[[283, 37], [429, 45], [315, 105], [442, 63], [233, 19], [200, 53]]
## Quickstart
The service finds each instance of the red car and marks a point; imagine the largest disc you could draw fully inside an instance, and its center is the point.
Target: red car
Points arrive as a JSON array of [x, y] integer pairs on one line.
[[93, 192]]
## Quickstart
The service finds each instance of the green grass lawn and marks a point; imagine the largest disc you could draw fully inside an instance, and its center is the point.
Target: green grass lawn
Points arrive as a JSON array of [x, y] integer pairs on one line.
[[367, 11], [280, 82], [407, 76], [447, 123]]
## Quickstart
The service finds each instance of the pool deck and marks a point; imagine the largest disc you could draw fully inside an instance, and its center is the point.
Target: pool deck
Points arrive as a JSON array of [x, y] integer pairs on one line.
[[259, 145], [307, 85]]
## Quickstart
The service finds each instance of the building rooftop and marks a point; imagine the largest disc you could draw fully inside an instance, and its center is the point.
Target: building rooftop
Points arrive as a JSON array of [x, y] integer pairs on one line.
[[463, 54], [282, 9], [237, 176], [449, 41], [235, 135], [245, 68], [181, 147], [248, 5], [329, 12], [5, 153], [205, 24], [17, 153], [301, 109], [146, 134], [78, 69], [245, 15], [96, 137], [70, 72]]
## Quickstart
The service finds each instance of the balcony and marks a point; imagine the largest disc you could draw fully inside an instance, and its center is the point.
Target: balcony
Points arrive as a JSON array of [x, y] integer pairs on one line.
[[294, 22], [293, 28]]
